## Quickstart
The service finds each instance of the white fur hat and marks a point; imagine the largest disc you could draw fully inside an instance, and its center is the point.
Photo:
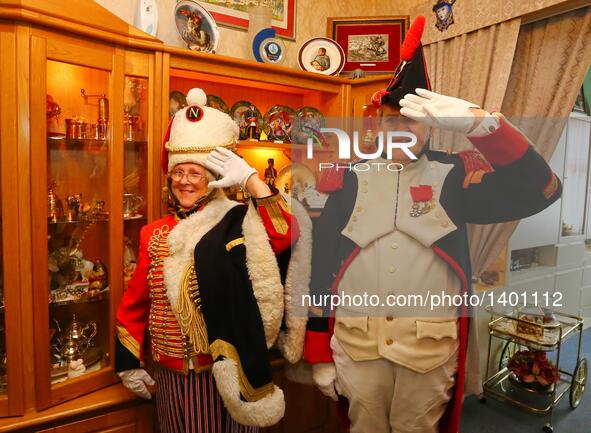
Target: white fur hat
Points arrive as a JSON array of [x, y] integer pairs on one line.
[[196, 130]]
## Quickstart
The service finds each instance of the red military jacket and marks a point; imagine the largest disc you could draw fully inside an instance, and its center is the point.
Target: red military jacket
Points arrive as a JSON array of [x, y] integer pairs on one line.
[[145, 309]]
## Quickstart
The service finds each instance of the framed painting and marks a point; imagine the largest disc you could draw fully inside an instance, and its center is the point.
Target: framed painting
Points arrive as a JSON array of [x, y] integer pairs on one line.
[[234, 13], [370, 43]]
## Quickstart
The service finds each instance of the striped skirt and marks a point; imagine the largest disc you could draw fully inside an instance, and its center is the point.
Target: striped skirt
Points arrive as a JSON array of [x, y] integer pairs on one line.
[[191, 404]]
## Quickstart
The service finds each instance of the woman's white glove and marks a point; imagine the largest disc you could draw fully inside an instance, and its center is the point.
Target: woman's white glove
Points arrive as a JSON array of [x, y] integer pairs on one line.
[[439, 111], [233, 169], [136, 380], [324, 375]]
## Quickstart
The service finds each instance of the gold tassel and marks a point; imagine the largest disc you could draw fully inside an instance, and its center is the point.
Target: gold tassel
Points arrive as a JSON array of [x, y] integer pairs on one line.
[[189, 312]]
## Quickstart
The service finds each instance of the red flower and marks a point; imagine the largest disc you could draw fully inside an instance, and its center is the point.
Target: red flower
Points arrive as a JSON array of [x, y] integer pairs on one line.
[[531, 366]]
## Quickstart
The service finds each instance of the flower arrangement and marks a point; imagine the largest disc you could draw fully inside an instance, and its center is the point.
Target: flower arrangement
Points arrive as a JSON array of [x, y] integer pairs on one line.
[[532, 368]]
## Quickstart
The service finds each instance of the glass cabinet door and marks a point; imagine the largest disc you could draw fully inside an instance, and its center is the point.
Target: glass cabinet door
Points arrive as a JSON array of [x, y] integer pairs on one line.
[[77, 208], [135, 188], [77, 220]]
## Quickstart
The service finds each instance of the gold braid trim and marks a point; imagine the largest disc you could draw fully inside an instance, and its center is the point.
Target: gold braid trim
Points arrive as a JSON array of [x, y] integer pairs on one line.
[[273, 205], [201, 149], [234, 243], [227, 350], [128, 341], [189, 311]]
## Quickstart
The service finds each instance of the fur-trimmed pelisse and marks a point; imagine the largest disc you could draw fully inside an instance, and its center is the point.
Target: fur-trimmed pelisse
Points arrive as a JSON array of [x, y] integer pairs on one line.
[[273, 299], [297, 286], [265, 412]]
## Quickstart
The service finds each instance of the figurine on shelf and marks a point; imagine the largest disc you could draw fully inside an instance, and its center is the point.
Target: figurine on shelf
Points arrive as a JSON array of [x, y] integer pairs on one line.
[[270, 173], [54, 205], [98, 278], [98, 210], [53, 117], [73, 202], [180, 301], [251, 123], [76, 368]]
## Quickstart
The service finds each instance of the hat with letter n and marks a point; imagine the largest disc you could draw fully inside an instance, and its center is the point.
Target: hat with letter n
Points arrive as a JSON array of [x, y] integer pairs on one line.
[[196, 130], [411, 73]]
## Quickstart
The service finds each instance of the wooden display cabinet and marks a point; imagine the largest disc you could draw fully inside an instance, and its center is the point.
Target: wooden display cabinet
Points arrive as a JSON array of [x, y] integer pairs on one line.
[[76, 132], [109, 183]]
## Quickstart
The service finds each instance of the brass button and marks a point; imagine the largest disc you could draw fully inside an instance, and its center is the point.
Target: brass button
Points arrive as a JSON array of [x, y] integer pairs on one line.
[[389, 342], [354, 218], [394, 245], [350, 228], [365, 182], [389, 318], [359, 208], [435, 183], [392, 269], [365, 190], [444, 224]]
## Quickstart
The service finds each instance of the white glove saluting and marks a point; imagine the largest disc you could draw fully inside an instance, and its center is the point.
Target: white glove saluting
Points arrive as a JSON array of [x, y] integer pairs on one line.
[[324, 375], [439, 111], [136, 380], [233, 169]]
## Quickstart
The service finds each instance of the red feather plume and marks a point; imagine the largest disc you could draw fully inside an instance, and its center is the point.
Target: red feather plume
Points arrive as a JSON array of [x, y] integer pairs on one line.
[[412, 38]]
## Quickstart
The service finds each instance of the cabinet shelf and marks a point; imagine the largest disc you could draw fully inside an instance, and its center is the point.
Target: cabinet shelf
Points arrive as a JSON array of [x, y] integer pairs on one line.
[[86, 144], [102, 296], [77, 222], [256, 144]]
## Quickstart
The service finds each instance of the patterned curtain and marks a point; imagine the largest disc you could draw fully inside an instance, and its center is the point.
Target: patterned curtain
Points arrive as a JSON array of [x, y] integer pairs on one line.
[[550, 62], [475, 67]]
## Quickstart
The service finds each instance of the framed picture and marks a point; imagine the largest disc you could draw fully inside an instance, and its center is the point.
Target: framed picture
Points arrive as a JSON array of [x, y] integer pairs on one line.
[[235, 14], [370, 43]]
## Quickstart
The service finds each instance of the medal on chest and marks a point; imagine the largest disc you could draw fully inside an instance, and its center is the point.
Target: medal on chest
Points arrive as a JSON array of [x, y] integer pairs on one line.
[[422, 198]]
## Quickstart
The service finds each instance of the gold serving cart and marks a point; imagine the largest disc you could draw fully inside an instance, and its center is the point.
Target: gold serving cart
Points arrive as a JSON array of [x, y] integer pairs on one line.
[[518, 333]]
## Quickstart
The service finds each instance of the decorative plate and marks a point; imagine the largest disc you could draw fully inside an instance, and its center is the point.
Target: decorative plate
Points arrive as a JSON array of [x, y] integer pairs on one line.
[[177, 101], [295, 179], [321, 55], [217, 103], [238, 113], [309, 120], [279, 122], [196, 26], [272, 50], [263, 34]]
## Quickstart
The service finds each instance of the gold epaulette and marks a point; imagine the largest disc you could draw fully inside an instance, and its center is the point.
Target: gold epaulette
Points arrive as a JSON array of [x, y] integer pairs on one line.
[[274, 205]]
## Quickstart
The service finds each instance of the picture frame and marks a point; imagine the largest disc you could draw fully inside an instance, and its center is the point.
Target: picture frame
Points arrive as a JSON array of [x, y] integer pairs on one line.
[[235, 14], [370, 43]]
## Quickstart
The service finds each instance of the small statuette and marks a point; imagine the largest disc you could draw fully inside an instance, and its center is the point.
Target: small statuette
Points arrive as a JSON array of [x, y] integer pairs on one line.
[[54, 205]]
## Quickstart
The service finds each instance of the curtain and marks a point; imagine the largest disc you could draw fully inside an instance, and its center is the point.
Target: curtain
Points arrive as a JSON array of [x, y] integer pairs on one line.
[[474, 66], [551, 59]]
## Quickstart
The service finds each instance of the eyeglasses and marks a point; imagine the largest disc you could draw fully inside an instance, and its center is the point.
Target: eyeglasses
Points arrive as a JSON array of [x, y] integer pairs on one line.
[[192, 177]]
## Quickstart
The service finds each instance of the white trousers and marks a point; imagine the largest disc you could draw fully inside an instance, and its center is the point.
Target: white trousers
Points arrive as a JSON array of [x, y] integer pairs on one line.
[[385, 397]]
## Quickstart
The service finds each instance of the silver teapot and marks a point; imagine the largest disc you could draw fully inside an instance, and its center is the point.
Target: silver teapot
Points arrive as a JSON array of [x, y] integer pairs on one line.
[[76, 339]]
